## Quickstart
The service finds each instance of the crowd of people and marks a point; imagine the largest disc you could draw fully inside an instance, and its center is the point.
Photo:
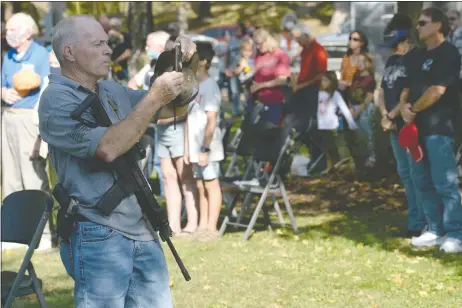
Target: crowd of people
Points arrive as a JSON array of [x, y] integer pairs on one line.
[[419, 99]]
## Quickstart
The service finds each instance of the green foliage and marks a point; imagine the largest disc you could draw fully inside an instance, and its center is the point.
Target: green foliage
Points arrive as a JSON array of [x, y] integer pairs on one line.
[[323, 11], [93, 8]]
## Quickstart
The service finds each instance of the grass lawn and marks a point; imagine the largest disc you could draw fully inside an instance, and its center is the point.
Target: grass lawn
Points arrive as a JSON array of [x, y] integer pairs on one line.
[[345, 256]]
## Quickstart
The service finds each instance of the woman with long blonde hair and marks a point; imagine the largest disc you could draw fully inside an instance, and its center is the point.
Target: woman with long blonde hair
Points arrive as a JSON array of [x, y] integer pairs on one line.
[[272, 72]]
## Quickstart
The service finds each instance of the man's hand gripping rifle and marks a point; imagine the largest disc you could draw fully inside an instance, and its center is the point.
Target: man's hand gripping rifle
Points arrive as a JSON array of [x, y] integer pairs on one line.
[[130, 174]]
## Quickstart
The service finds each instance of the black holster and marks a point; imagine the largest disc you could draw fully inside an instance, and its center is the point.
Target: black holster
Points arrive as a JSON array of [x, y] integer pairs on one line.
[[66, 213]]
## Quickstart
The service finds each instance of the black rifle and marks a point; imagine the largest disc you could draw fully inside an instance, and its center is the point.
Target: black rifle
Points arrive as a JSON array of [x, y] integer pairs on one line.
[[128, 172]]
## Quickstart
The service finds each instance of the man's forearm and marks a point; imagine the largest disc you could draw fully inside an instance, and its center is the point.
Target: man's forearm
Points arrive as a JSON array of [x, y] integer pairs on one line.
[[430, 97], [209, 130], [403, 99], [395, 112], [279, 81], [310, 82], [120, 137], [124, 56], [383, 108]]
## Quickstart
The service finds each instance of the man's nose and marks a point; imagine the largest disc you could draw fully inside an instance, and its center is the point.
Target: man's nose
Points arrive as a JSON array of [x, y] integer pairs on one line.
[[108, 51]]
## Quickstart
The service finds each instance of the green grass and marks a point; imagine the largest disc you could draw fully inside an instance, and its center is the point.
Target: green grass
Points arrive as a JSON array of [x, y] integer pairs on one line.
[[345, 256]]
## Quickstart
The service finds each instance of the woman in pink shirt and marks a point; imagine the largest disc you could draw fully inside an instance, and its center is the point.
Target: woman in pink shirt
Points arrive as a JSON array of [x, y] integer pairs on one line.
[[272, 72]]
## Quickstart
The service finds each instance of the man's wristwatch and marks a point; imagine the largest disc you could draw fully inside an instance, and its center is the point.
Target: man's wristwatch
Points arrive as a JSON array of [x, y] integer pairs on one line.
[[205, 149]]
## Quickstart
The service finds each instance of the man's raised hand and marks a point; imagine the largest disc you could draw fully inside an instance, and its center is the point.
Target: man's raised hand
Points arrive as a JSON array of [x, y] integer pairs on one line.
[[167, 87]]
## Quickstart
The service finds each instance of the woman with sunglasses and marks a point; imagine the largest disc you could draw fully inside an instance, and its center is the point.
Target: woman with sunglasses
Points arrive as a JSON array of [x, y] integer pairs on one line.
[[358, 44]]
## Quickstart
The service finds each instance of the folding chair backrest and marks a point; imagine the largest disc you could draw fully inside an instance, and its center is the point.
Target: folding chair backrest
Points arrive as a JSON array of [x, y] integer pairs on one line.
[[22, 212], [270, 143], [251, 133]]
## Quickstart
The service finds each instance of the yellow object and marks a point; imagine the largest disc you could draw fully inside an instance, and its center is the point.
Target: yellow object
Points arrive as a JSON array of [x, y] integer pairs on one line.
[[116, 67], [26, 80]]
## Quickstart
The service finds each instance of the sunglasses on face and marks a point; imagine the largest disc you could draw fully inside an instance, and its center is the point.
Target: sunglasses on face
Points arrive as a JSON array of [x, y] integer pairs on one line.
[[355, 39], [422, 23]]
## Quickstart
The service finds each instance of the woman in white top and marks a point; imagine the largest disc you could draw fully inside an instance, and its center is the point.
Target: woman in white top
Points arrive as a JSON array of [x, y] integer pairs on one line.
[[328, 122]]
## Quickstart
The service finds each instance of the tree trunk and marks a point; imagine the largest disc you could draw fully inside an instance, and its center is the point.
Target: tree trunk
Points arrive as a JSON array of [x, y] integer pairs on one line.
[[413, 10], [341, 12], [140, 22], [204, 10], [182, 17]]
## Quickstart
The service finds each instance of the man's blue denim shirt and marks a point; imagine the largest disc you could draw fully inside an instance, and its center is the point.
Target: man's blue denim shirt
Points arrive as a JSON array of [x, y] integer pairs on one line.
[[72, 148]]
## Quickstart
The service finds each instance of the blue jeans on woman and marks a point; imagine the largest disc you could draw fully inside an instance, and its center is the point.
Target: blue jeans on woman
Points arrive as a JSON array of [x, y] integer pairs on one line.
[[415, 218], [364, 123], [436, 178], [110, 270]]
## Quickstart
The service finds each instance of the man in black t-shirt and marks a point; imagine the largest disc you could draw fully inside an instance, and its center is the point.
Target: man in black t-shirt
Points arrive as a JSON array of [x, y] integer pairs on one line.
[[121, 50], [396, 38], [431, 101]]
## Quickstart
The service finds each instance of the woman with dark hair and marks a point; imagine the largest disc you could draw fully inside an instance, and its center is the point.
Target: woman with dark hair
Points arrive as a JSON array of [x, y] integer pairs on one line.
[[396, 38], [358, 44]]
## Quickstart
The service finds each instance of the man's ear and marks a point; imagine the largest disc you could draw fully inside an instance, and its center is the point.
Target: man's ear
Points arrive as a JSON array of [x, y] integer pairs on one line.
[[68, 53]]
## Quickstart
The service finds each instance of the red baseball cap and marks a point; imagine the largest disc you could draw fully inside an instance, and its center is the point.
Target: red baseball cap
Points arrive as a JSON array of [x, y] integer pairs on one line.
[[408, 138]]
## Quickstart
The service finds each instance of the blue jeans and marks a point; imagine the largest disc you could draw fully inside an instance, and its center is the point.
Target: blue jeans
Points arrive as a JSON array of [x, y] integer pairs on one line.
[[364, 123], [110, 270], [436, 177], [415, 218], [234, 94]]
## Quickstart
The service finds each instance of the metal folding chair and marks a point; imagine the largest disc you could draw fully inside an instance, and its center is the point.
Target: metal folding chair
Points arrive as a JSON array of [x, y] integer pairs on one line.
[[273, 148], [24, 216]]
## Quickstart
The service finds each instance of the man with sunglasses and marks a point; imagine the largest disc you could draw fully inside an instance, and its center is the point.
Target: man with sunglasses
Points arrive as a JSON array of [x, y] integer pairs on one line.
[[430, 99]]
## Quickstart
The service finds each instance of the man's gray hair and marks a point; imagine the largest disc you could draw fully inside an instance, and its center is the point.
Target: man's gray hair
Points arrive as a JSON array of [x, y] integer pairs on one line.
[[65, 33], [25, 21], [159, 37], [303, 29]]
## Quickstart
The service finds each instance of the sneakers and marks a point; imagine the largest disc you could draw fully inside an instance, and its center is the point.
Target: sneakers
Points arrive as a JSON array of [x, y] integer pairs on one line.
[[427, 239], [451, 245]]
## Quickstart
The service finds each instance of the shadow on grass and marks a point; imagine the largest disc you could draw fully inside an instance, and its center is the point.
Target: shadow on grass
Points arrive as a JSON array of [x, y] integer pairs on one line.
[[370, 213]]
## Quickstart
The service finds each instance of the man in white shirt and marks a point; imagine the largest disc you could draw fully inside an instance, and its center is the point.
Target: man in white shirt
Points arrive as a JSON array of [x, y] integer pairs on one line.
[[203, 145], [155, 44]]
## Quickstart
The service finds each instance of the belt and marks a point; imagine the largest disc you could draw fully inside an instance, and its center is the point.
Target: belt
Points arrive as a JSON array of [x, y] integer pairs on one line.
[[80, 218]]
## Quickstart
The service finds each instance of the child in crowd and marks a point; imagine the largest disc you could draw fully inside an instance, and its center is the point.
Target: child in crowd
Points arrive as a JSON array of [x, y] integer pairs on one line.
[[361, 102], [328, 122], [203, 145], [243, 68]]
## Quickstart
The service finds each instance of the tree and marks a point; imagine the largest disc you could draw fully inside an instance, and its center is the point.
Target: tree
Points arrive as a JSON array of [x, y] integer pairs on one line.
[[204, 10], [182, 17], [413, 10], [140, 23]]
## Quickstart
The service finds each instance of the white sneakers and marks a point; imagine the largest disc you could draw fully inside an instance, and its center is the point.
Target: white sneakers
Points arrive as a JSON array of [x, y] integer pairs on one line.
[[427, 239], [451, 245], [447, 244]]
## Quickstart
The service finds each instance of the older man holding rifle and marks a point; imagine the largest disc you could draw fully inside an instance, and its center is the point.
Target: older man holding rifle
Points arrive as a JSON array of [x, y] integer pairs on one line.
[[108, 218]]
